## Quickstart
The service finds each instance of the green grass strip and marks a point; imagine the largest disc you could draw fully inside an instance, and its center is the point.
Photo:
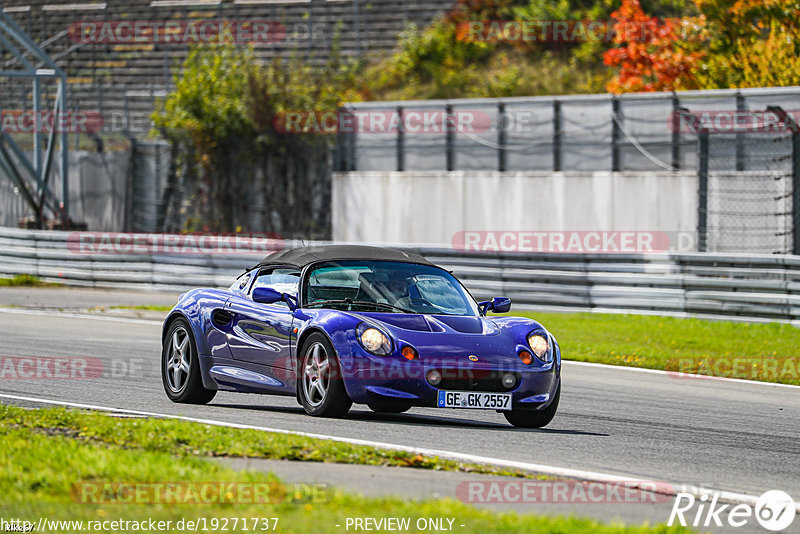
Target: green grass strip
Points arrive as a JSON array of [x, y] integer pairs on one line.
[[767, 352], [50, 457]]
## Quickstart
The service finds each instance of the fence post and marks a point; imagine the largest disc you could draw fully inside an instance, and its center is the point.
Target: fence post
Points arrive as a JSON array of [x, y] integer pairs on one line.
[[501, 137], [338, 149], [796, 191], [352, 149], [740, 148], [702, 192], [615, 133], [449, 122], [401, 157], [676, 133], [556, 135], [37, 132], [347, 133]]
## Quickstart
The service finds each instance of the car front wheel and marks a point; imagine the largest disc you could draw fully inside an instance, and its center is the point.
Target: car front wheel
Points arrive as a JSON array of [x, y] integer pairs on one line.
[[320, 383], [534, 418]]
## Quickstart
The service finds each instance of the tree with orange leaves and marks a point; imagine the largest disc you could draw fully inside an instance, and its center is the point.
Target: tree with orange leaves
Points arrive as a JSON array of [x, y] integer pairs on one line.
[[649, 55]]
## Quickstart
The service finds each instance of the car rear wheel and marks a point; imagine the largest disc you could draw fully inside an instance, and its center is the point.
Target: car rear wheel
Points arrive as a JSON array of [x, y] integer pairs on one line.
[[534, 418], [320, 383], [180, 366]]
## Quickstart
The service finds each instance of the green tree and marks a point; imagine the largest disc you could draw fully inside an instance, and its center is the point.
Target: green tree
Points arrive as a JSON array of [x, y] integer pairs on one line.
[[225, 118], [206, 115], [751, 43]]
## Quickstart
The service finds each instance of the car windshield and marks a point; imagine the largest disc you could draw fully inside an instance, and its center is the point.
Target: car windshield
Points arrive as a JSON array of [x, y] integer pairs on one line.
[[386, 286]]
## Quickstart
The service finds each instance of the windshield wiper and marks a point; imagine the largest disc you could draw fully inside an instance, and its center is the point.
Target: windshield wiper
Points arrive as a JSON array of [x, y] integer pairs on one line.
[[351, 302]]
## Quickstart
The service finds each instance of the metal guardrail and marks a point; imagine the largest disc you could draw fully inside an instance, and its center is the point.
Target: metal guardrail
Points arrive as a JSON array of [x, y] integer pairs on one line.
[[761, 287]]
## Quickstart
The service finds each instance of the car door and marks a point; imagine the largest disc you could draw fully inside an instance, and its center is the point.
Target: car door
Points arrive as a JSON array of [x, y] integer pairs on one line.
[[261, 333]]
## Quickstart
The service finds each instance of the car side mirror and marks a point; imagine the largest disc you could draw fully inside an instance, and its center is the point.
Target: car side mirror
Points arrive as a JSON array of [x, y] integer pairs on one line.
[[497, 305], [266, 295], [501, 304]]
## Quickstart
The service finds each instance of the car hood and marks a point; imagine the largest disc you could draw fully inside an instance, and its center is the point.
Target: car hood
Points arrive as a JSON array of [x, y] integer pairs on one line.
[[441, 324]]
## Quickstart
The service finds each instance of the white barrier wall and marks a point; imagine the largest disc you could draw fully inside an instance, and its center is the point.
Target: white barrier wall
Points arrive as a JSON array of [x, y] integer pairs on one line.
[[432, 206]]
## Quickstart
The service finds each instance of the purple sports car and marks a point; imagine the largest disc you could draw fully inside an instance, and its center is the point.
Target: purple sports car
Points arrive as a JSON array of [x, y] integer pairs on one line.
[[338, 324]]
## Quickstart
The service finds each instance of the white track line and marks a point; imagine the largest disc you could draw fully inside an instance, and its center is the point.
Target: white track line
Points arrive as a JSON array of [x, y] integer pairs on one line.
[[589, 476], [73, 315], [678, 374], [24, 311]]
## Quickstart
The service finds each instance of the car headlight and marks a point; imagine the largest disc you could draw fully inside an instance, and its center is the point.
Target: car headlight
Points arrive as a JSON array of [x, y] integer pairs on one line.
[[373, 340], [539, 346]]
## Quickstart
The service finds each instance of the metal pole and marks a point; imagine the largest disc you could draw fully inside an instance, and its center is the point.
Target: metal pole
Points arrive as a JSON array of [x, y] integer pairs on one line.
[[615, 133], [449, 137], [702, 193], [796, 191], [338, 150], [401, 156], [352, 137], [740, 146], [99, 87], [37, 127], [501, 137], [64, 158], [556, 135], [676, 133]]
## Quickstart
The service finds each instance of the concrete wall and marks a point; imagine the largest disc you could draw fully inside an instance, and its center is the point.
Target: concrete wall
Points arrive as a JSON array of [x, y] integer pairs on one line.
[[431, 207]]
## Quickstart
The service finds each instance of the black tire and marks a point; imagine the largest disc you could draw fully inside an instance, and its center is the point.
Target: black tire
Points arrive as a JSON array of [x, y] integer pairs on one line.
[[328, 398], [388, 407], [179, 350], [534, 418]]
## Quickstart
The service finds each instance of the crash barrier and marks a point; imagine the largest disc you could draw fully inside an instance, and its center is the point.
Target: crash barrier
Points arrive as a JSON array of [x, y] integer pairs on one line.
[[744, 285]]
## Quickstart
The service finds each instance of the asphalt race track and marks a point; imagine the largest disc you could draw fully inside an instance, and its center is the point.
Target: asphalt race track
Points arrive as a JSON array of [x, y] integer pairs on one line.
[[732, 436]]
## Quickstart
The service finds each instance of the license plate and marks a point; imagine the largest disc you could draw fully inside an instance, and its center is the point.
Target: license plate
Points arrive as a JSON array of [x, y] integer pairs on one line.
[[474, 399]]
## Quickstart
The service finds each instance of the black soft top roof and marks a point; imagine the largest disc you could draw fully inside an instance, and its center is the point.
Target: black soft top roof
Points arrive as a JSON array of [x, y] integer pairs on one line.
[[300, 257]]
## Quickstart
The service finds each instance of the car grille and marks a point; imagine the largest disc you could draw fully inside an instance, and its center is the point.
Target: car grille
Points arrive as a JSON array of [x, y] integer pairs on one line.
[[474, 380]]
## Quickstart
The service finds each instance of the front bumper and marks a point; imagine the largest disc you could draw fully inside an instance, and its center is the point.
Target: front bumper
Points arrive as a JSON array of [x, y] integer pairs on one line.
[[373, 379]]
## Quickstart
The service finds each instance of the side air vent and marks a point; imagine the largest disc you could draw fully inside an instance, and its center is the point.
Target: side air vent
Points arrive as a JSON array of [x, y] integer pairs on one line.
[[221, 318]]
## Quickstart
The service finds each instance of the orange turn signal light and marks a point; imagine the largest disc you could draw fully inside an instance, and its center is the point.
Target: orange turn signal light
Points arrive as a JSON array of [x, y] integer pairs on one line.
[[526, 357], [409, 353]]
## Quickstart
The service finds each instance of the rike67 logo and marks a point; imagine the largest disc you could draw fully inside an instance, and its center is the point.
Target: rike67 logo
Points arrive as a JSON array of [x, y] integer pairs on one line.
[[774, 510]]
